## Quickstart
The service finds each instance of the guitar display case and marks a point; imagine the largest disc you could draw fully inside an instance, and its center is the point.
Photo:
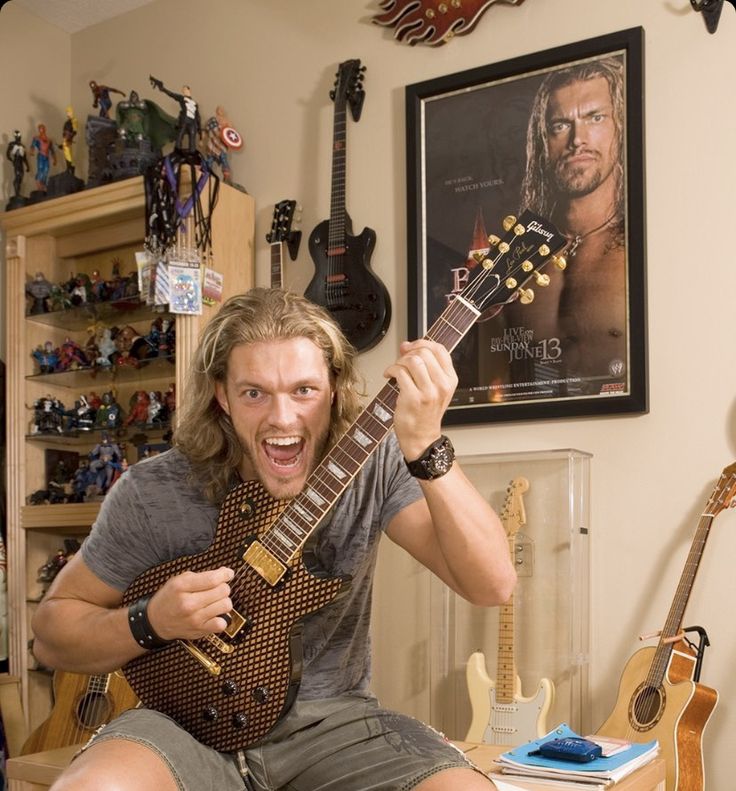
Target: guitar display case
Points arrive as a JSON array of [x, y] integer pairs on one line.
[[551, 621]]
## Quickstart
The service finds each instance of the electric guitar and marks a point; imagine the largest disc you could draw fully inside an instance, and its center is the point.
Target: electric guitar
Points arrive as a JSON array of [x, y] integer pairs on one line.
[[229, 689], [81, 704], [657, 697], [281, 234], [501, 715], [433, 21], [343, 282]]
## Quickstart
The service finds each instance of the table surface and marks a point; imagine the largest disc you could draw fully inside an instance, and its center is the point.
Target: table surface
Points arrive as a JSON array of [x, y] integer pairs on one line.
[[44, 768]]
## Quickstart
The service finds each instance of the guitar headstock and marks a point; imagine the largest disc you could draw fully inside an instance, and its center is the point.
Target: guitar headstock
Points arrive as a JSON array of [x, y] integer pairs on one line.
[[349, 87], [529, 244], [285, 216], [724, 495], [433, 21], [513, 514]]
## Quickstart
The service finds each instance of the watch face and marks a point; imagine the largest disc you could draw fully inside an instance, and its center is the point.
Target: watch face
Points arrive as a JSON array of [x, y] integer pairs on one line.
[[441, 459]]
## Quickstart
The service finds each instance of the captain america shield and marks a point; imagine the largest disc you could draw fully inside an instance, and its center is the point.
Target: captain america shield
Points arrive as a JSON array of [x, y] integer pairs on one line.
[[231, 138]]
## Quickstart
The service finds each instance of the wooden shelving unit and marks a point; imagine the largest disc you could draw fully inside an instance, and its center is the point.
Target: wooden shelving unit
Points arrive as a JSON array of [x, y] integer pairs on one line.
[[60, 237]]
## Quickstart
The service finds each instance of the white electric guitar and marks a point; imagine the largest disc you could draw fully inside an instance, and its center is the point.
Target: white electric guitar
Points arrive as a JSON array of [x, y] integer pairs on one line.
[[501, 715]]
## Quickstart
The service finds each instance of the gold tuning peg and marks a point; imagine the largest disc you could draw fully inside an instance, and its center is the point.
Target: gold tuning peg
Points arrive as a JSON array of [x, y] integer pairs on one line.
[[527, 266], [487, 264], [526, 296], [519, 229], [542, 279], [560, 262], [478, 256], [511, 282], [544, 251], [493, 240], [509, 222], [503, 247]]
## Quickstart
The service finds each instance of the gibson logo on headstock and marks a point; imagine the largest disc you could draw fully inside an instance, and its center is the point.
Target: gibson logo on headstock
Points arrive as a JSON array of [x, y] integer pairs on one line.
[[540, 229]]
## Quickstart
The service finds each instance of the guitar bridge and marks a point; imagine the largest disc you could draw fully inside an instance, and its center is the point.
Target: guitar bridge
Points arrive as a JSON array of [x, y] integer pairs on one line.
[[262, 561], [219, 644]]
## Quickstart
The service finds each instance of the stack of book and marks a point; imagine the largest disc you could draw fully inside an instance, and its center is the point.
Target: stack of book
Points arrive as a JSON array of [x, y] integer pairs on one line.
[[522, 768]]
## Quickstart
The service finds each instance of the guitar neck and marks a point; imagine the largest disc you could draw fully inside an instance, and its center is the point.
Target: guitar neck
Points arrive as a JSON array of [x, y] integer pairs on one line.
[[337, 226], [505, 666], [288, 534], [719, 499], [277, 265]]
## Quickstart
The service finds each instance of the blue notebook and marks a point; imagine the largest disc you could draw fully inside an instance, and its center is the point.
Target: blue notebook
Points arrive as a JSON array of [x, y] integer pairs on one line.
[[613, 767]]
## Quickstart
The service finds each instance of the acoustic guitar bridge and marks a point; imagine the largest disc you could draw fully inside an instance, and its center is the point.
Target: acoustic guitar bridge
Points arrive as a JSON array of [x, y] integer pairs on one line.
[[262, 561]]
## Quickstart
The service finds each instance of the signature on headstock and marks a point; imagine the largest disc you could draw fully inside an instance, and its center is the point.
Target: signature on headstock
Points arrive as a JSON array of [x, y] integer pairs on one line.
[[433, 21]]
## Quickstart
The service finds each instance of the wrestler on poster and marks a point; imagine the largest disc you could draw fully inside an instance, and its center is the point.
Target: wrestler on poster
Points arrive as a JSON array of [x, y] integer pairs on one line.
[[560, 133]]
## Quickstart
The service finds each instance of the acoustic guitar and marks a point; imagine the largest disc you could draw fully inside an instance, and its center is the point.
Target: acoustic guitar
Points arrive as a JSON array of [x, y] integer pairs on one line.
[[81, 705], [343, 282], [282, 234], [229, 689], [501, 714], [657, 697]]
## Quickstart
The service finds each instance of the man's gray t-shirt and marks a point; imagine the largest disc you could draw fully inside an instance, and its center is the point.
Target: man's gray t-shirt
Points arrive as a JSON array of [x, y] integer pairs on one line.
[[154, 514]]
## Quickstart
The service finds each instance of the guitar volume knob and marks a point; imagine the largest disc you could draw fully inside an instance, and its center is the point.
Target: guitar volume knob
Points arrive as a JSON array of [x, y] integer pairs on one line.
[[230, 687], [240, 720], [210, 713]]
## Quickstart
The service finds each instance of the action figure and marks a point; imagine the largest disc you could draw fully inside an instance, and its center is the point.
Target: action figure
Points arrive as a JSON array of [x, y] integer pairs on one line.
[[47, 357], [47, 416], [16, 154], [188, 121], [102, 98], [82, 480], [68, 134], [138, 414], [43, 145], [221, 136], [71, 356], [39, 290], [82, 416], [109, 414], [106, 461]]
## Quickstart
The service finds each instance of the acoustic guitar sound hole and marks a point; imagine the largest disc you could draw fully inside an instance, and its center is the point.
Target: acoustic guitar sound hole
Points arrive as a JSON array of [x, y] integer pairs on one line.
[[646, 707], [93, 709]]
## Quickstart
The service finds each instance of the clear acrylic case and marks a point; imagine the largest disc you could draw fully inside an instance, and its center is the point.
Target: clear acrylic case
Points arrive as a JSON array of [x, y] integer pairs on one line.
[[550, 608]]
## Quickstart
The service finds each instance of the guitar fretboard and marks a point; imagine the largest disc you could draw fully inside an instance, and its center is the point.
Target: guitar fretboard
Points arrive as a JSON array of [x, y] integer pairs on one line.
[[337, 232], [277, 269], [286, 537]]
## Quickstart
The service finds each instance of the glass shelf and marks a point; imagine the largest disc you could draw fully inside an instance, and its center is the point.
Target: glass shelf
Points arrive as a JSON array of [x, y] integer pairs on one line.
[[84, 437], [149, 370], [128, 310]]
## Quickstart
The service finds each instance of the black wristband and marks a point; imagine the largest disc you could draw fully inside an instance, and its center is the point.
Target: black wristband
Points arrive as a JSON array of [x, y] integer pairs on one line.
[[141, 628]]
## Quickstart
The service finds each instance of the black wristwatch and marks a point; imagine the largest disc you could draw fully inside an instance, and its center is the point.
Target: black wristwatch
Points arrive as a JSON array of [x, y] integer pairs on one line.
[[434, 462]]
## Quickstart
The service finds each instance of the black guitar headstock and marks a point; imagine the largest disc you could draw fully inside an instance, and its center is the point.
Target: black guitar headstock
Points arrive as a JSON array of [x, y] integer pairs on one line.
[[529, 243], [349, 87], [281, 227]]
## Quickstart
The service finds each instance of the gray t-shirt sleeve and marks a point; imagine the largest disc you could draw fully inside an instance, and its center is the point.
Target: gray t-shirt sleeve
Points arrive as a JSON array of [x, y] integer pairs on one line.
[[151, 515], [400, 488]]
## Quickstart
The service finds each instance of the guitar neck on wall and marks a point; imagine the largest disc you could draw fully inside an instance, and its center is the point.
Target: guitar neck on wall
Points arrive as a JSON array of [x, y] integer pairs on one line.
[[657, 697], [501, 714], [343, 282], [281, 235]]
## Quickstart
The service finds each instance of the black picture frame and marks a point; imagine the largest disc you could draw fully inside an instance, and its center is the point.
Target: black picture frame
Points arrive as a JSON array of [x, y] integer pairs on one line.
[[466, 159]]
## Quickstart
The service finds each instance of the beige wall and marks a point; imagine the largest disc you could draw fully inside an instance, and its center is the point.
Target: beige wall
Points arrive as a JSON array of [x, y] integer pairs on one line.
[[35, 74], [271, 64]]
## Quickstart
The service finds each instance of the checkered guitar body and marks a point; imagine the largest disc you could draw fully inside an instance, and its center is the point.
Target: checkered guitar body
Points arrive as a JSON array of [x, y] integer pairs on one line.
[[229, 690]]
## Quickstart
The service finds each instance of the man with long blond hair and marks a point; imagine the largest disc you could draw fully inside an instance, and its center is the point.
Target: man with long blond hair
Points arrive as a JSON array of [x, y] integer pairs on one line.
[[273, 385], [575, 175]]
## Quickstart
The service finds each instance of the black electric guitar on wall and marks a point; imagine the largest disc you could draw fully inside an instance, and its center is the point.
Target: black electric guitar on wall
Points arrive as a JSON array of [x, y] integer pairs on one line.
[[344, 282], [657, 696], [229, 689], [282, 234]]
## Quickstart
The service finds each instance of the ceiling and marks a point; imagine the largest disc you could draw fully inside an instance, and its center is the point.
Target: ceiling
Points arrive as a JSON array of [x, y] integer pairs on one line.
[[75, 15]]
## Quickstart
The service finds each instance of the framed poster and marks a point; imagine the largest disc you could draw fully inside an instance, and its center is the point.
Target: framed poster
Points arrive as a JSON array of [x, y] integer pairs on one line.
[[559, 132]]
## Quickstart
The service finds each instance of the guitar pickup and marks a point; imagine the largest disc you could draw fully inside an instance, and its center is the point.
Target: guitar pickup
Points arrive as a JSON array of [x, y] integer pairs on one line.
[[262, 561]]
